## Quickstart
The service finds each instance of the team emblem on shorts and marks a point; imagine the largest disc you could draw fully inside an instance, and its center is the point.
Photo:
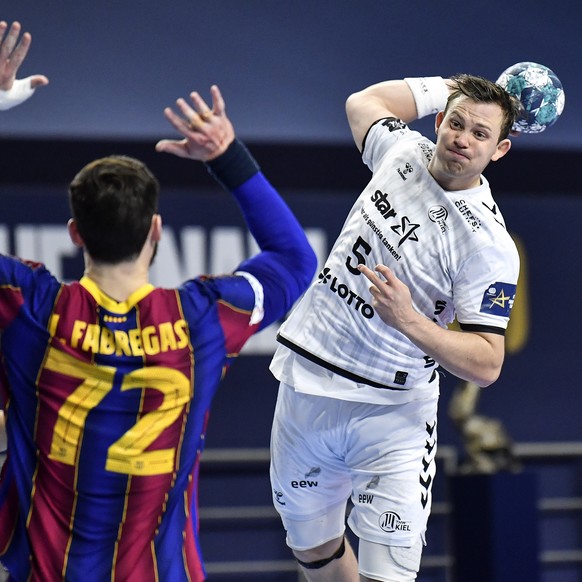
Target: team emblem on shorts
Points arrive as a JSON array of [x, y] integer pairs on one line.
[[391, 522], [498, 299], [278, 496]]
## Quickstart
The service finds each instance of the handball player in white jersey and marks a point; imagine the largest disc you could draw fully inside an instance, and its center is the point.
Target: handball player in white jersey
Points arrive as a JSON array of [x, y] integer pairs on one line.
[[358, 359]]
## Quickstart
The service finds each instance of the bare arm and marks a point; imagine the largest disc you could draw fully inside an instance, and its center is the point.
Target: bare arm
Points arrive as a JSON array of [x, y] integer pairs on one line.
[[471, 356], [387, 99], [407, 99]]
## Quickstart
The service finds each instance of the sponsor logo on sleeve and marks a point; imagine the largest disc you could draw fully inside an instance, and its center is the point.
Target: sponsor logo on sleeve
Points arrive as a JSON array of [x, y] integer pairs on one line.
[[498, 299], [394, 124]]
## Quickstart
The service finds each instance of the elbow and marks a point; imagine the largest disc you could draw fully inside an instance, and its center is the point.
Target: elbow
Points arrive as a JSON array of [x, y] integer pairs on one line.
[[353, 103], [486, 382], [489, 361], [298, 267], [488, 376], [350, 103], [308, 267]]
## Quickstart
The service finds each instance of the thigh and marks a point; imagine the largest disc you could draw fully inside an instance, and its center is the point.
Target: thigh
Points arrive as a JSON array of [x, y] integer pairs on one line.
[[309, 479], [392, 459]]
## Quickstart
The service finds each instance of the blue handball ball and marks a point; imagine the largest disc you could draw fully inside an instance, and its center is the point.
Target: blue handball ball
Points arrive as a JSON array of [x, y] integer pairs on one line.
[[540, 92]]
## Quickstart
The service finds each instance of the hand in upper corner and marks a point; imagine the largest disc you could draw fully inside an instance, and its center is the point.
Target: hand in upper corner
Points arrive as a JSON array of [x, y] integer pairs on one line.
[[13, 50]]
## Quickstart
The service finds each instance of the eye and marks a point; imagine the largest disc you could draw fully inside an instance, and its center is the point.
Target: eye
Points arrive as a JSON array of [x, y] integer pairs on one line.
[[455, 124]]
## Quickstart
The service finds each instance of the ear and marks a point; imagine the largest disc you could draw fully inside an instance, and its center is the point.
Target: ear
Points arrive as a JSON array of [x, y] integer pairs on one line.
[[156, 228], [502, 148], [74, 233], [438, 121]]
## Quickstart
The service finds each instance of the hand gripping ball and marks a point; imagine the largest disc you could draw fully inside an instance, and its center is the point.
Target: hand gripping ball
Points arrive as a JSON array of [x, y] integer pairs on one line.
[[540, 92]]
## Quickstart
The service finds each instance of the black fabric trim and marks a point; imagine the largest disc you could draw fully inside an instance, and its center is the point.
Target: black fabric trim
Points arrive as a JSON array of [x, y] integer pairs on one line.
[[373, 124], [325, 561], [482, 328], [234, 167], [333, 368]]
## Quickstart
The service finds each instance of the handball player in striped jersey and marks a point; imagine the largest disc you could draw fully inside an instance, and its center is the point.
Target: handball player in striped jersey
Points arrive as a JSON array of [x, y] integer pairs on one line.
[[424, 244]]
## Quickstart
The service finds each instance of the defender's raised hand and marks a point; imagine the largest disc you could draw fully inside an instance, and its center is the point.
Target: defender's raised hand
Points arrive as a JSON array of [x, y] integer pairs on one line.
[[207, 131]]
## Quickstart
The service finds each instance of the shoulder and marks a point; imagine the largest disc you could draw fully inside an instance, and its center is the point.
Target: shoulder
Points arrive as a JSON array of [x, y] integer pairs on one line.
[[392, 134], [24, 273]]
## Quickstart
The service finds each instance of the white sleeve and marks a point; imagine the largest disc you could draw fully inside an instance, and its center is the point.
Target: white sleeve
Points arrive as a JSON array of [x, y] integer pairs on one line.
[[485, 288], [381, 137], [258, 311]]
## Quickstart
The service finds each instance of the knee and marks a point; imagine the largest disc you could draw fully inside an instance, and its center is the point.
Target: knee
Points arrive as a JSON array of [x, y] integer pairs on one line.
[[383, 562], [320, 556]]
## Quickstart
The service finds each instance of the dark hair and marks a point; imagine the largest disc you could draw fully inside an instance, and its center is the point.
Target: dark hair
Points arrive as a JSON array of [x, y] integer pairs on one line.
[[482, 90], [113, 200]]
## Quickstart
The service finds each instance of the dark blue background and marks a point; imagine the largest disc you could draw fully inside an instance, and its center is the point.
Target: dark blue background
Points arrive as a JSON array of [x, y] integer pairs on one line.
[[285, 68]]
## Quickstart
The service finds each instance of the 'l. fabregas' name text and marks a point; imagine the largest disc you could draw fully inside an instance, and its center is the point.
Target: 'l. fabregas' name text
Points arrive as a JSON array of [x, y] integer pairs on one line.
[[149, 341]]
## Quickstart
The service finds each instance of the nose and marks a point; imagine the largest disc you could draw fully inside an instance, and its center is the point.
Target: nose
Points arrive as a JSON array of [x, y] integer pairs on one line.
[[462, 138]]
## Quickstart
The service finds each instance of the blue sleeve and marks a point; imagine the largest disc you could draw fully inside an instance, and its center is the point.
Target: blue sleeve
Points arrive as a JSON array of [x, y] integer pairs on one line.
[[25, 283], [286, 264]]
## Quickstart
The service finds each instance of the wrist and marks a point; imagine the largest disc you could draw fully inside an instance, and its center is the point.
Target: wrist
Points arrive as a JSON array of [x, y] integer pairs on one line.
[[430, 94], [233, 167], [20, 91]]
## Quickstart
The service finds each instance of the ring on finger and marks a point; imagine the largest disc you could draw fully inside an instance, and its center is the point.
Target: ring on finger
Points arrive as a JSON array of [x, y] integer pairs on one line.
[[206, 115], [195, 122]]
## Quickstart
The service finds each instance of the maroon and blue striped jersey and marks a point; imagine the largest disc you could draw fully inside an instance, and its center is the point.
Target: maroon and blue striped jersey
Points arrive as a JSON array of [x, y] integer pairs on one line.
[[107, 404]]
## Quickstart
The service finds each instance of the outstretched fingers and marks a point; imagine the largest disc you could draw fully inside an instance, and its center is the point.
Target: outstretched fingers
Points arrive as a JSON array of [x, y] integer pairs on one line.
[[13, 50], [218, 106], [191, 119], [179, 123], [198, 113], [201, 109], [373, 277], [20, 51], [8, 41]]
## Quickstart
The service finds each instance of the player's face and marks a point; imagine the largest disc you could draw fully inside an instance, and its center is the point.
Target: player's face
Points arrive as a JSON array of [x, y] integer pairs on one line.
[[467, 140]]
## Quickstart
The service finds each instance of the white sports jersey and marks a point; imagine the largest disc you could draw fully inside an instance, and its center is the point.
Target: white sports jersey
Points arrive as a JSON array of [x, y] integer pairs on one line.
[[450, 248]]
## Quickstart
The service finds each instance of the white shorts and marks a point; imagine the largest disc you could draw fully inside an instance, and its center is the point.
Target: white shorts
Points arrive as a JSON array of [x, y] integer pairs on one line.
[[324, 451]]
